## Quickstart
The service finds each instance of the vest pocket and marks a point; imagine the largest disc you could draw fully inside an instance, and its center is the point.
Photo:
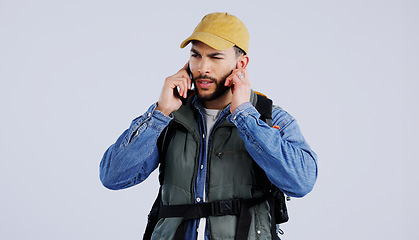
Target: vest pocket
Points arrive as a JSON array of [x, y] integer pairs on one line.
[[231, 174], [220, 154]]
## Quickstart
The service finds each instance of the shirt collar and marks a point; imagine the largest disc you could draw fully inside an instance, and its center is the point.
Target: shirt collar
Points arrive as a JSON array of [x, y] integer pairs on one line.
[[197, 104]]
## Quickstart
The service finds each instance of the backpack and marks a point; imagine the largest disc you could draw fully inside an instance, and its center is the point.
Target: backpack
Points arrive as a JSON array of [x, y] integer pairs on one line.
[[273, 195]]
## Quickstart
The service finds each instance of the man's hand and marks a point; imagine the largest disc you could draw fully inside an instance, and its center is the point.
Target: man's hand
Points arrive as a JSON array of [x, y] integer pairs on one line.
[[240, 87], [168, 101]]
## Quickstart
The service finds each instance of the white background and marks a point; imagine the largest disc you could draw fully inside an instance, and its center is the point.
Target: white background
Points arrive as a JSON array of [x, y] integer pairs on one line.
[[75, 73]]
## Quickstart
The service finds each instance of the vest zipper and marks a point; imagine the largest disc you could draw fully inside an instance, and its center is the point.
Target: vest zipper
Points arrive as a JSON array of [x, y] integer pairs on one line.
[[198, 141]]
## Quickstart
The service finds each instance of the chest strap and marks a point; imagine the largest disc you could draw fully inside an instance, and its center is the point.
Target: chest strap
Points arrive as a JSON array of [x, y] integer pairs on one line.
[[239, 207]]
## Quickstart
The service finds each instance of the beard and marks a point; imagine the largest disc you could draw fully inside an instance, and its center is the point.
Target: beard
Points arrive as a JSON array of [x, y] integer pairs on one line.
[[219, 91]]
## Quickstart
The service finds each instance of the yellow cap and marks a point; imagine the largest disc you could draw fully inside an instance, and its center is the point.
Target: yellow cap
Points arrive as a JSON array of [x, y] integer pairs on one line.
[[220, 31]]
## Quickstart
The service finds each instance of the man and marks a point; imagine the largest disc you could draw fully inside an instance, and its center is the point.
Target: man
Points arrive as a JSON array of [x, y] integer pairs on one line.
[[217, 139]]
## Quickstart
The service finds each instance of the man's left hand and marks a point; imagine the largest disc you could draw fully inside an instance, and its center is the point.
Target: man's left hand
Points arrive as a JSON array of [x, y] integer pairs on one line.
[[240, 87]]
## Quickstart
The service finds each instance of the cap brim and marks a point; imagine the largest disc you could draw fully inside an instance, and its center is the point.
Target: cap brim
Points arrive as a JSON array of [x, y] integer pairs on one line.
[[211, 40]]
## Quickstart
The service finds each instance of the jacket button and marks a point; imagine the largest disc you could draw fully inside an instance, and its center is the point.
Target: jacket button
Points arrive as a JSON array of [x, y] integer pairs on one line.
[[198, 199]]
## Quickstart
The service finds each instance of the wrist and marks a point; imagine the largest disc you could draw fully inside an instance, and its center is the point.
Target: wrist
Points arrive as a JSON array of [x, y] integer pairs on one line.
[[164, 111]]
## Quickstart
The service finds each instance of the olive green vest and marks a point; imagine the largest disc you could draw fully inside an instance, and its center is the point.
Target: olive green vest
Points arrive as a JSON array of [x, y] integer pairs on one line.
[[230, 175]]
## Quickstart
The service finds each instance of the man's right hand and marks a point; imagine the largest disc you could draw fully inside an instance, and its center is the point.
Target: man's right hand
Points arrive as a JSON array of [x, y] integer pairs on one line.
[[168, 101]]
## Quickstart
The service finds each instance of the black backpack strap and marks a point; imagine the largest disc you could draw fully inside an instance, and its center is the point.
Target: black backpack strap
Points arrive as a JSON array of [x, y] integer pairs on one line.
[[264, 107], [238, 207], [276, 199], [152, 218], [162, 143]]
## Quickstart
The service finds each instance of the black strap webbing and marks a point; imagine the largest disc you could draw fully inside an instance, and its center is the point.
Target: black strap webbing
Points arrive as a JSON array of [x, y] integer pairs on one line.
[[264, 107], [239, 207], [243, 224], [200, 210]]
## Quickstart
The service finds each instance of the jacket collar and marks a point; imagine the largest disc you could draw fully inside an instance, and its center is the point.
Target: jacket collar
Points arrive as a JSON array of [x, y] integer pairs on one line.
[[186, 114]]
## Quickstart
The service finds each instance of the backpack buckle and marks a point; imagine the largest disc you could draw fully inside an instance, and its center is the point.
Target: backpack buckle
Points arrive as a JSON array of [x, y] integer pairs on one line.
[[225, 207]]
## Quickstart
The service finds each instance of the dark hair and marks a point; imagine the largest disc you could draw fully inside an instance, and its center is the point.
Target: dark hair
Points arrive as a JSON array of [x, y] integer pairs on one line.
[[239, 51]]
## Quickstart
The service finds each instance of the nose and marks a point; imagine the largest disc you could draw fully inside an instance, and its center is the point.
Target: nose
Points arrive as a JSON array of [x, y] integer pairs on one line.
[[204, 66]]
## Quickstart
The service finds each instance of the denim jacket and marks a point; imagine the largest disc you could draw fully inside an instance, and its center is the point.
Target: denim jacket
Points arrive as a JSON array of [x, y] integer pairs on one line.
[[281, 152]]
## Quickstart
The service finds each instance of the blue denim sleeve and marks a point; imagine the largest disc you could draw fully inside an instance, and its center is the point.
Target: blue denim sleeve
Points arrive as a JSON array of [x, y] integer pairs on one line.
[[282, 153], [132, 158]]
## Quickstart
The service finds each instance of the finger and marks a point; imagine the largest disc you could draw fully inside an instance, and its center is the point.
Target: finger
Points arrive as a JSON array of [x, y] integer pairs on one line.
[[237, 78], [240, 76], [186, 75], [178, 83], [245, 73], [183, 87], [229, 79]]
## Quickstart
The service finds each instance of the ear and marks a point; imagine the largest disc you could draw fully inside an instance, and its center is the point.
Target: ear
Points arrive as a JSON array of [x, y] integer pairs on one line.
[[242, 61]]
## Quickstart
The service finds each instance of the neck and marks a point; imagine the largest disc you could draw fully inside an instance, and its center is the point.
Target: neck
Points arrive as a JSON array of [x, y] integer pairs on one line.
[[219, 103]]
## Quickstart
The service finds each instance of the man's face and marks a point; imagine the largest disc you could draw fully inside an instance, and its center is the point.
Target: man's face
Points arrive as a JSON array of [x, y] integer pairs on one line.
[[210, 68]]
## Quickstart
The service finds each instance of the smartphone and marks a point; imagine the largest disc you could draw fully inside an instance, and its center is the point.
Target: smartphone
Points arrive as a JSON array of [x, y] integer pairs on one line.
[[188, 70]]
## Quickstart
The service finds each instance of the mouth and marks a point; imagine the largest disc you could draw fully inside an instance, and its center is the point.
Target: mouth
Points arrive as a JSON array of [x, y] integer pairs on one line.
[[204, 83]]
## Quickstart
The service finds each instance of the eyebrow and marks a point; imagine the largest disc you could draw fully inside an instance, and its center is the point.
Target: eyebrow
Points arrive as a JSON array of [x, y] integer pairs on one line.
[[196, 52], [210, 55], [216, 54]]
